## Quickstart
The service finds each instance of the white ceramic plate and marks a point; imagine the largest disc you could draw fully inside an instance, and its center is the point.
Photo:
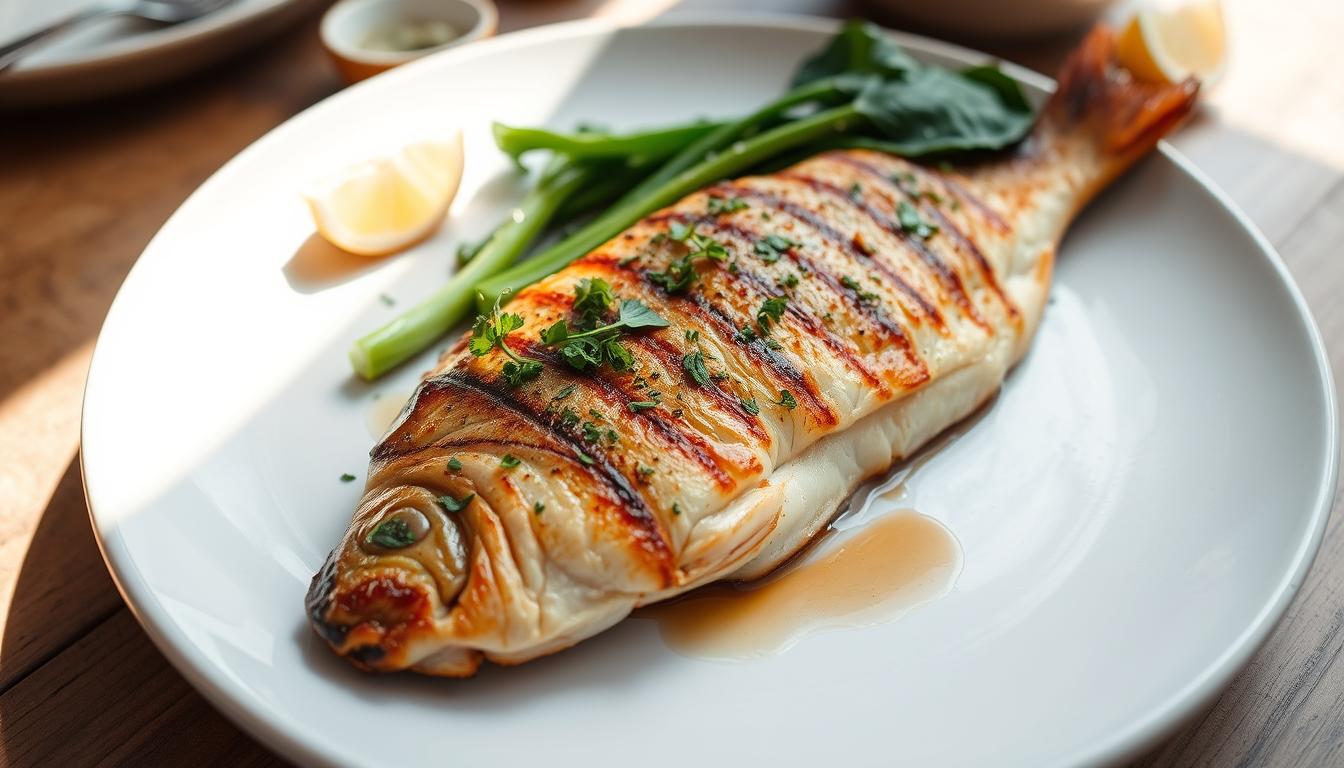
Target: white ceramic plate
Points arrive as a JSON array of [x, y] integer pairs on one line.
[[1135, 510], [117, 54]]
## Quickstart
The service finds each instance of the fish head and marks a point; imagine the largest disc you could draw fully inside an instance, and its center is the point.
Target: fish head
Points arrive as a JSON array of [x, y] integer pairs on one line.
[[382, 593]]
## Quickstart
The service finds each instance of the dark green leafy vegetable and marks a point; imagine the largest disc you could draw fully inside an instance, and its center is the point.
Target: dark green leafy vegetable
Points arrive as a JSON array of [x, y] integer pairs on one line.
[[860, 47], [935, 110]]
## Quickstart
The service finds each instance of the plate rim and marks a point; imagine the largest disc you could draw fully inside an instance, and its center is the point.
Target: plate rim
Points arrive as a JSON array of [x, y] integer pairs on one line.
[[284, 736]]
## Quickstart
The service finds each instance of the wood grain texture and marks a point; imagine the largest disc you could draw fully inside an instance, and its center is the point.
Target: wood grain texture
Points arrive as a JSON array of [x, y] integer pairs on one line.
[[83, 189]]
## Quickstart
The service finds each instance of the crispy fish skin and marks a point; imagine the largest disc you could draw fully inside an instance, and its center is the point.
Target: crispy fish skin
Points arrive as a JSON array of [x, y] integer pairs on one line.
[[890, 334]]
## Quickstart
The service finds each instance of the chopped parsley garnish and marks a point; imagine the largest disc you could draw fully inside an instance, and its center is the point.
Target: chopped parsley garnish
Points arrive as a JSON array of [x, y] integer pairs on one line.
[[454, 464], [912, 223], [393, 533], [456, 505], [789, 281], [749, 405], [786, 399], [585, 458], [490, 332], [857, 288], [538, 507], [592, 298], [565, 392], [585, 350], [745, 333], [346, 477], [906, 182], [641, 405], [692, 335], [694, 365], [676, 508], [771, 247], [645, 473], [591, 432], [718, 205], [680, 272], [772, 309], [855, 192], [509, 461]]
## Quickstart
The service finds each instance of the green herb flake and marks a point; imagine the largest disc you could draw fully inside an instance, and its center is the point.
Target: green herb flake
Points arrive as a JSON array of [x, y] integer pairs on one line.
[[585, 458], [490, 333], [749, 405], [694, 365], [642, 405], [456, 505], [676, 508], [771, 247], [509, 461], [393, 533], [789, 281], [348, 478], [913, 223], [565, 392], [856, 192], [770, 313], [718, 205], [786, 399], [387, 300], [645, 473], [591, 432], [538, 507], [454, 464]]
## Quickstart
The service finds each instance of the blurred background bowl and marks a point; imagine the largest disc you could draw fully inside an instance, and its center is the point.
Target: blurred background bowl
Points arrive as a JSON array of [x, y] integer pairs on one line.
[[352, 30], [995, 18]]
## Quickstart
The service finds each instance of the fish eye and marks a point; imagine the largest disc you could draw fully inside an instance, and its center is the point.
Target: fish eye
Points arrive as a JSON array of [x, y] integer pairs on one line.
[[397, 529]]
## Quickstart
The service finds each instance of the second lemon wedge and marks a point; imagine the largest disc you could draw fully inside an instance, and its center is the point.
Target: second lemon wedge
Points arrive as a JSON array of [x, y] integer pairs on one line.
[[383, 205], [1171, 45]]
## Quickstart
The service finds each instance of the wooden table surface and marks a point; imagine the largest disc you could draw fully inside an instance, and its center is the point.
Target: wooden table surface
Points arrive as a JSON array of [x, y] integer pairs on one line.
[[82, 190]]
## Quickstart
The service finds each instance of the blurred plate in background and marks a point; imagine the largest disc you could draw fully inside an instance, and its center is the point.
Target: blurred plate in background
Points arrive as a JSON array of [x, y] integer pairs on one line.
[[117, 54]]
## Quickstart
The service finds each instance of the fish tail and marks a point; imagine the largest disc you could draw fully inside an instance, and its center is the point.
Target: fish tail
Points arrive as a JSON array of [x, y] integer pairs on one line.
[[1119, 116]]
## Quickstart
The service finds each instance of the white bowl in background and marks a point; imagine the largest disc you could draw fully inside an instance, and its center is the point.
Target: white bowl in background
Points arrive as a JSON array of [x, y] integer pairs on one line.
[[996, 18], [349, 24]]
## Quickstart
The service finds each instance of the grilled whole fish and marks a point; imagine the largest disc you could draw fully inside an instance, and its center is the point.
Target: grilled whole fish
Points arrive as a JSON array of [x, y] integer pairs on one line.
[[909, 293]]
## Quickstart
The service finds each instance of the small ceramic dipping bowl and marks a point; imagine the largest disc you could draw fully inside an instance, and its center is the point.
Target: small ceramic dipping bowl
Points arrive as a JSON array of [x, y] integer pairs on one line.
[[365, 37]]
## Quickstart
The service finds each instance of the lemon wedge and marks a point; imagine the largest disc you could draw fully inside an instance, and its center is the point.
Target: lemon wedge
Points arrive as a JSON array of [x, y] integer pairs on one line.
[[383, 205], [1171, 45]]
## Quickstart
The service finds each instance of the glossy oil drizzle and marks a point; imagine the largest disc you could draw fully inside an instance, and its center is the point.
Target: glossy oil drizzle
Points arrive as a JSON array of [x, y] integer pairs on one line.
[[383, 410], [870, 576]]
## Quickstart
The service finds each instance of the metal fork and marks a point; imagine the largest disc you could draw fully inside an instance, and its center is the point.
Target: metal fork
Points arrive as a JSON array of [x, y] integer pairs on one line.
[[161, 11]]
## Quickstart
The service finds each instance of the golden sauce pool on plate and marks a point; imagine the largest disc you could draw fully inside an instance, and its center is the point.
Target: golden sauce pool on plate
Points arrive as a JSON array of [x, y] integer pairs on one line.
[[872, 576], [383, 410]]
